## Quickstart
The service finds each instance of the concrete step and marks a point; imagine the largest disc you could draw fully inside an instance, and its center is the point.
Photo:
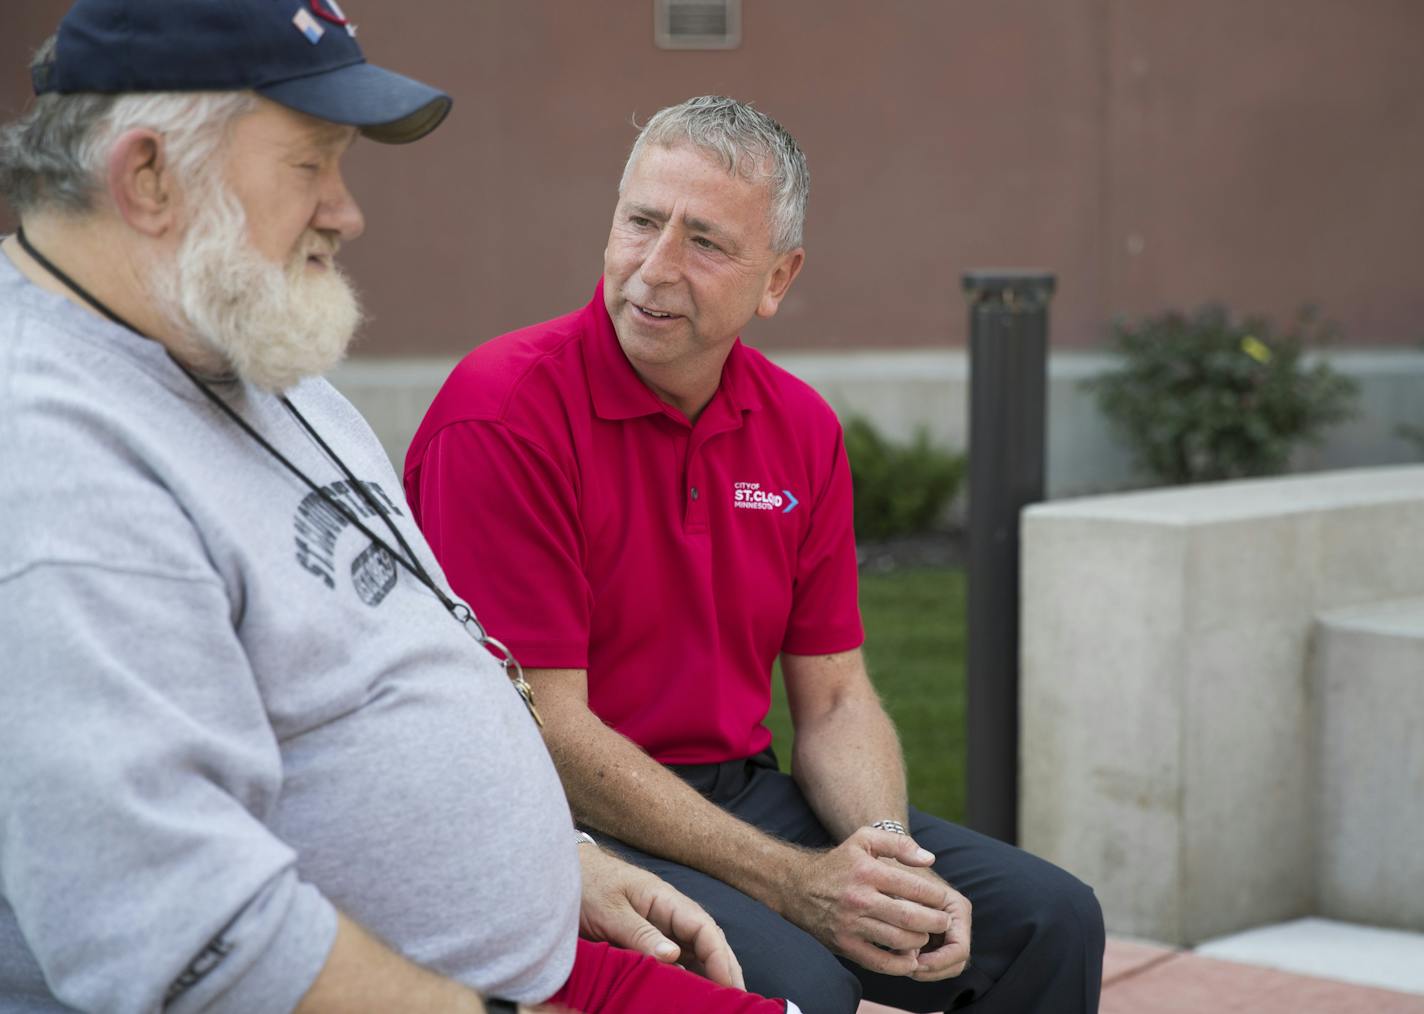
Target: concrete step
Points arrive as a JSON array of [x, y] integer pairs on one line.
[[1365, 955], [1367, 674]]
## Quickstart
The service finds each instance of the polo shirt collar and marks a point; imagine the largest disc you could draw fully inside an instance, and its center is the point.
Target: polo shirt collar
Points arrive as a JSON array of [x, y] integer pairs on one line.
[[619, 393]]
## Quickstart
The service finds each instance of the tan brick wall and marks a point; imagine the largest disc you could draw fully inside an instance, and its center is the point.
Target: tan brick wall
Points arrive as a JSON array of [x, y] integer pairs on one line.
[[1153, 153]]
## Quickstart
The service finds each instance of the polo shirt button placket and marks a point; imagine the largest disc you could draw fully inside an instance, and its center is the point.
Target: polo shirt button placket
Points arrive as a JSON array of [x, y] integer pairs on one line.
[[696, 502]]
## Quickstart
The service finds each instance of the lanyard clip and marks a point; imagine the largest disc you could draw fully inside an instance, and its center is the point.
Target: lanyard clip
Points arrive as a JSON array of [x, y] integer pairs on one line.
[[470, 622], [515, 672], [512, 669]]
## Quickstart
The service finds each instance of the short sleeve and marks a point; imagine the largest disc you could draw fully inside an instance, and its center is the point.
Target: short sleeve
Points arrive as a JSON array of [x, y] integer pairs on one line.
[[502, 518], [825, 608]]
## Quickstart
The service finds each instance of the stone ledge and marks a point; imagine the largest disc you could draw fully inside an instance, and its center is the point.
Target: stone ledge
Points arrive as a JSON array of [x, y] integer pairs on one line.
[[1216, 502], [1169, 732]]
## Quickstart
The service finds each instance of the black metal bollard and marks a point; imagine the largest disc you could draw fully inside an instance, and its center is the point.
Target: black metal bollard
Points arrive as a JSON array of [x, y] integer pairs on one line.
[[1008, 387]]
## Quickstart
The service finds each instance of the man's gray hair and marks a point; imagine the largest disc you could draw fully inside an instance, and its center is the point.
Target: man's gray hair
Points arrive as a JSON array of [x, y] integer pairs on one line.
[[53, 157], [746, 141]]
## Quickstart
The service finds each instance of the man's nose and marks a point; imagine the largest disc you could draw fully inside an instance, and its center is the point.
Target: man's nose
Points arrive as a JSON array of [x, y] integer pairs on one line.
[[664, 261], [338, 211]]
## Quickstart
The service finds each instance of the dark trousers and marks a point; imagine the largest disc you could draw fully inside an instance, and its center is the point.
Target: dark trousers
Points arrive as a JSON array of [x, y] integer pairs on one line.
[[1037, 940]]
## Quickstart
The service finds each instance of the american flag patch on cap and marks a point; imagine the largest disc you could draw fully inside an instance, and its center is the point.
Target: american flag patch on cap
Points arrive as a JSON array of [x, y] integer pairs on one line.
[[308, 26]]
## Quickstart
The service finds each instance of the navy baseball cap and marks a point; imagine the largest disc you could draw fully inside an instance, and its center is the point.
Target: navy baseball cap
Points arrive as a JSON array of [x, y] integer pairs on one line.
[[299, 53]]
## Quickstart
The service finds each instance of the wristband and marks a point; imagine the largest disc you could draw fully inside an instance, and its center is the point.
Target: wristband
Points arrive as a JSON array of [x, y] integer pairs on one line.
[[893, 826]]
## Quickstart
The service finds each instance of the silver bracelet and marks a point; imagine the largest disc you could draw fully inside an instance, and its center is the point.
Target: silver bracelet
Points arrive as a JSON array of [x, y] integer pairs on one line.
[[584, 838], [893, 826]]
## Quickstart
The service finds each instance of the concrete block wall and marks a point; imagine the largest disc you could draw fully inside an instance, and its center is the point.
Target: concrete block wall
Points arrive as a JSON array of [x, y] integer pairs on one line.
[[901, 391], [1168, 734]]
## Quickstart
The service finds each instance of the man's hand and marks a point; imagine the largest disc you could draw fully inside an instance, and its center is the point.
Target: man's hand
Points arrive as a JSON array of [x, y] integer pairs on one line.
[[632, 908], [881, 915], [946, 954]]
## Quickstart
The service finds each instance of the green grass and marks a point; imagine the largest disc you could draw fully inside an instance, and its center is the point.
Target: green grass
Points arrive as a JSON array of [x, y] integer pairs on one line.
[[914, 645]]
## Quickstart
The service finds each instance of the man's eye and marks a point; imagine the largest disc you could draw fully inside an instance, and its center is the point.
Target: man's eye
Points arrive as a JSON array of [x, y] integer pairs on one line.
[[704, 243], [640, 221]]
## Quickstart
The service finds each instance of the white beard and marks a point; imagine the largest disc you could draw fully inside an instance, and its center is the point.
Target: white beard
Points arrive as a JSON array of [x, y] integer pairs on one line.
[[273, 325]]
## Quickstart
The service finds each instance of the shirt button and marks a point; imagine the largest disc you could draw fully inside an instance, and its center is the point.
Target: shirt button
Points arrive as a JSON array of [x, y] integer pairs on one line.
[[694, 492]]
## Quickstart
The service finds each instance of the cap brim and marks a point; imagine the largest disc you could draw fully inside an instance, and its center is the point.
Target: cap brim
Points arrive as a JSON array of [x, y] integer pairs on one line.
[[387, 107]]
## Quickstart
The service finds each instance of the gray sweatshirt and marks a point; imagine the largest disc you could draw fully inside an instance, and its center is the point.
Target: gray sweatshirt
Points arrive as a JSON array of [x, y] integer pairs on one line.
[[225, 713]]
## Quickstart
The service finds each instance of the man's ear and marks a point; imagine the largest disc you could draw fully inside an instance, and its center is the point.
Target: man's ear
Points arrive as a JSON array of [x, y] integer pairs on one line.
[[141, 183], [788, 266]]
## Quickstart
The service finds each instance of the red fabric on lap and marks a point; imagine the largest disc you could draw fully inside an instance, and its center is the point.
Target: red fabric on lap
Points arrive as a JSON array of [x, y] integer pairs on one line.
[[612, 980]]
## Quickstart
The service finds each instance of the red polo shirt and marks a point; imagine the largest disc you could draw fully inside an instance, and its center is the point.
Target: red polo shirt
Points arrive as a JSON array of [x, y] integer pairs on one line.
[[591, 526]]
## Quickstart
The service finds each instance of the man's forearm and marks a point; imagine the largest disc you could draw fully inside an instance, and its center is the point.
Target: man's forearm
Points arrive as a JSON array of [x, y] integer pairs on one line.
[[363, 974], [846, 758], [615, 787], [849, 767]]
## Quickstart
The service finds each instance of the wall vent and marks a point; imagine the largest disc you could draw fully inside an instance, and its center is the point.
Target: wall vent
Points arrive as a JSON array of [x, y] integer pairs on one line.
[[697, 24]]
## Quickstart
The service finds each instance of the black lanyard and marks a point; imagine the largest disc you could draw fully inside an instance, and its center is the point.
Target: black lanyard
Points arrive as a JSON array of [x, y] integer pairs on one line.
[[407, 558]]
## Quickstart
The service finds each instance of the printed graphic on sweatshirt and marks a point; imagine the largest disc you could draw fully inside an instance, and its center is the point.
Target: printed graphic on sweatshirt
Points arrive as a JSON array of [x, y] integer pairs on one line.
[[374, 574], [211, 956], [319, 527], [753, 496]]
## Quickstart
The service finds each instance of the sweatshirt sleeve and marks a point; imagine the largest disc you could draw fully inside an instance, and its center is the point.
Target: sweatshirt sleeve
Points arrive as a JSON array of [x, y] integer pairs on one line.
[[136, 766]]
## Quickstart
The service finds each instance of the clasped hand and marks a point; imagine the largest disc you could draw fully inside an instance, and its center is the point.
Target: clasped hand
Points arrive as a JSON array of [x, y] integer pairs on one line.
[[875, 900]]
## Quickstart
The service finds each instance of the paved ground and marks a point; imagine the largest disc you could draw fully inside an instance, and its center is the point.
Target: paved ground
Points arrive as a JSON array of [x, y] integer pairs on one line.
[[1147, 979], [1144, 979]]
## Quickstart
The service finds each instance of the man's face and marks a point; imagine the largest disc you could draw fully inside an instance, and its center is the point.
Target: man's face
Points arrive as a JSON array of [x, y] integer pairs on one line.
[[689, 260], [254, 278], [284, 168]]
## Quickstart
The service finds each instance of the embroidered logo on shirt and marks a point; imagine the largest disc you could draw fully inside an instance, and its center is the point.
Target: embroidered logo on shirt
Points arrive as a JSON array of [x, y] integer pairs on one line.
[[751, 496]]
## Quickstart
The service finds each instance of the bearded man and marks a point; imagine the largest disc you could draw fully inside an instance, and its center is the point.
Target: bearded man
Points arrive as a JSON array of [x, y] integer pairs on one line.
[[251, 758]]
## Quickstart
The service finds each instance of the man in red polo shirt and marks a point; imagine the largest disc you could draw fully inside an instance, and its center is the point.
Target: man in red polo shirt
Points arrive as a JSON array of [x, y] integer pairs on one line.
[[650, 514]]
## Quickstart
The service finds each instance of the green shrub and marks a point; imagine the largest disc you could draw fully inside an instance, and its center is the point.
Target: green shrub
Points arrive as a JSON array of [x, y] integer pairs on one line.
[[900, 489], [1201, 397]]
